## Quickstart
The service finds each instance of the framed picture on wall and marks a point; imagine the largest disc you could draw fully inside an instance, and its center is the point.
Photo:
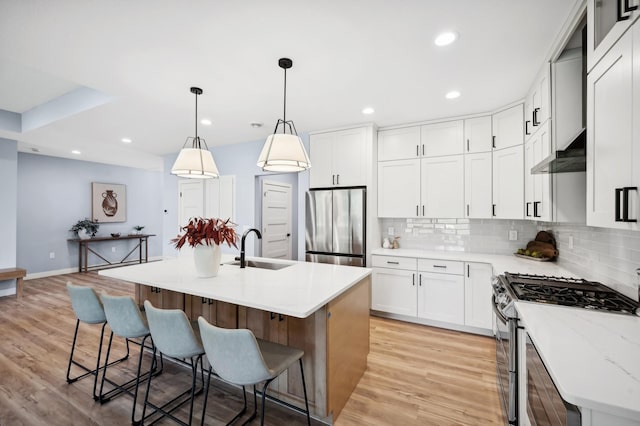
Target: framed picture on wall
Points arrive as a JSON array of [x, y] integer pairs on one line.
[[108, 202]]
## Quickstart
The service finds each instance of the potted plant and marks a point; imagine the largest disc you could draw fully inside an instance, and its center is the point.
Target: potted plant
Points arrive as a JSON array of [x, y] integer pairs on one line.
[[85, 228], [205, 236], [138, 229]]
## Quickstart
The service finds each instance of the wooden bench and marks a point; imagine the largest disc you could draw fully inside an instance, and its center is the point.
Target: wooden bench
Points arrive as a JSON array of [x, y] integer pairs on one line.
[[14, 273]]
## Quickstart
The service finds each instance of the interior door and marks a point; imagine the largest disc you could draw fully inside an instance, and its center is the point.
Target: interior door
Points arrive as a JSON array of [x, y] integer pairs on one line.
[[190, 200], [276, 220]]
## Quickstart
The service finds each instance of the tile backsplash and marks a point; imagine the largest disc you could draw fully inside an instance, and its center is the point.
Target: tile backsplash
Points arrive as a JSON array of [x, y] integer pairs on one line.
[[606, 255]]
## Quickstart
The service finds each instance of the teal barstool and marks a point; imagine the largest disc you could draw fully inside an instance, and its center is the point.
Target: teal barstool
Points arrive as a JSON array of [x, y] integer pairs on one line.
[[237, 357], [126, 321], [88, 309], [173, 336]]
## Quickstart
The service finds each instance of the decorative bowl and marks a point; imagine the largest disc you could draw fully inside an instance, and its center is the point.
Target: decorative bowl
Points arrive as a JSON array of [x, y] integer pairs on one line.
[[115, 234]]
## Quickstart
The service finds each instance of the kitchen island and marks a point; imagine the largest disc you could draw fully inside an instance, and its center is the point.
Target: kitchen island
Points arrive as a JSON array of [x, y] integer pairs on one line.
[[320, 308]]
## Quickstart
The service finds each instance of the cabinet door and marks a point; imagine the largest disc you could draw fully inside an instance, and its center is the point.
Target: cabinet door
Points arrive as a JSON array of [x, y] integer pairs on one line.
[[477, 295], [220, 197], [441, 297], [349, 157], [607, 21], [442, 183], [399, 144], [398, 188], [610, 121], [541, 146], [540, 100], [442, 138], [477, 134], [508, 183], [171, 299], [477, 185], [528, 178], [196, 306], [394, 291], [320, 154], [508, 127]]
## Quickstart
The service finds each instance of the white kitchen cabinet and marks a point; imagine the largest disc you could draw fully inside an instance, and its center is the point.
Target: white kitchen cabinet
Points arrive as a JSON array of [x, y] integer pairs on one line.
[[339, 158], [478, 310], [477, 134], [394, 291], [538, 200], [442, 138], [399, 144], [442, 186], [607, 21], [477, 185], [508, 183], [537, 109], [399, 188], [613, 136], [440, 295], [508, 127]]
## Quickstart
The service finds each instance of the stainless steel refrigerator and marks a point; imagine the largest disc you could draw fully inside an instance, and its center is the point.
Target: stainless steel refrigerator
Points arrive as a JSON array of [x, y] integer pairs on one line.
[[336, 225]]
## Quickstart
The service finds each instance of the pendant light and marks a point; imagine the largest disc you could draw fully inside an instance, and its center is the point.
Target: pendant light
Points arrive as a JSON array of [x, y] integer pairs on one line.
[[284, 152], [195, 162]]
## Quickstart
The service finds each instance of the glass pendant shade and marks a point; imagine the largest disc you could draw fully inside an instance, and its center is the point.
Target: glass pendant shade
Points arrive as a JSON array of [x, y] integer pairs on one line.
[[283, 153], [195, 163]]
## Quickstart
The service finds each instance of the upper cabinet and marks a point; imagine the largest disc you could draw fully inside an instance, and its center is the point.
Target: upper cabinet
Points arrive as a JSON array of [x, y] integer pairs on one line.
[[508, 127], [538, 102], [613, 136], [477, 134], [607, 21], [340, 158], [442, 138], [399, 144], [429, 140], [508, 183]]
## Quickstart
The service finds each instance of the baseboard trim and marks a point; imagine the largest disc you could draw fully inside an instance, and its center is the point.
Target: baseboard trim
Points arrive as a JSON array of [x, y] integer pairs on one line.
[[64, 271]]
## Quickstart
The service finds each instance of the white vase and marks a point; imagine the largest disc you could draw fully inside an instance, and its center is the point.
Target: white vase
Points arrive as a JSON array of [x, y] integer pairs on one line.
[[83, 234], [207, 260]]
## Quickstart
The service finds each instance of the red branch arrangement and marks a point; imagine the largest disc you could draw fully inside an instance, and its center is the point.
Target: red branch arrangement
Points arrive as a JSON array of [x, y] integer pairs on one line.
[[207, 231]]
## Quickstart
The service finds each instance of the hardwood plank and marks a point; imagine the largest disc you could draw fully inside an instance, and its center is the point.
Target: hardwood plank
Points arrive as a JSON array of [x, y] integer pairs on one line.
[[416, 375]]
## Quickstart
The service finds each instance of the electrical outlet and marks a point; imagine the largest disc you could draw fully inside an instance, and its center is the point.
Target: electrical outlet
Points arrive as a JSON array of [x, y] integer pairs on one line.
[[113, 249], [571, 241], [390, 231], [52, 255], [513, 235]]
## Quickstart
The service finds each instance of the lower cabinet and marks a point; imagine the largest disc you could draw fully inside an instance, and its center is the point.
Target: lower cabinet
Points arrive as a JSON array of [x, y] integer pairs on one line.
[[218, 313], [449, 292], [160, 298]]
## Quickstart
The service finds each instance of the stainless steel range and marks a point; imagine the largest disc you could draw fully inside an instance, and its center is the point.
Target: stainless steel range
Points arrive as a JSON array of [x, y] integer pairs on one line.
[[564, 291]]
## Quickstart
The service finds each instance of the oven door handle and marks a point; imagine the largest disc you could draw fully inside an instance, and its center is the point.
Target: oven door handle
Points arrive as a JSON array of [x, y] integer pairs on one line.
[[499, 314]]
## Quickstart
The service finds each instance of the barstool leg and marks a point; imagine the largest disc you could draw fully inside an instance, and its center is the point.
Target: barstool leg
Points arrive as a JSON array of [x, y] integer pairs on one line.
[[206, 395], [73, 347], [304, 388], [264, 394], [95, 379]]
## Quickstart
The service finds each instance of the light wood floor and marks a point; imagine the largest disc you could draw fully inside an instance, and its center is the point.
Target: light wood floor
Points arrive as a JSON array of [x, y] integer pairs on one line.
[[416, 375]]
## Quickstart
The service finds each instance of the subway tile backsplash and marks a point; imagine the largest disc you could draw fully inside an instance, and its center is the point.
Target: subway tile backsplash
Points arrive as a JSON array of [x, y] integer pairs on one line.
[[606, 255]]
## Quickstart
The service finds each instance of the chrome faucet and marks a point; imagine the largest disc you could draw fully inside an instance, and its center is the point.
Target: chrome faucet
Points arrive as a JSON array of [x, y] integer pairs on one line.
[[243, 263]]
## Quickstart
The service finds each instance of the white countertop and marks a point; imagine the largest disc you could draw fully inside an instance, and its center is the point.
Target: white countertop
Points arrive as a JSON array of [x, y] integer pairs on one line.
[[501, 263], [298, 290], [592, 357]]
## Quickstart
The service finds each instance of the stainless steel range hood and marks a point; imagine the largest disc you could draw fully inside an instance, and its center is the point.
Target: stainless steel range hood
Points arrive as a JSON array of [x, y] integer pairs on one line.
[[571, 159]]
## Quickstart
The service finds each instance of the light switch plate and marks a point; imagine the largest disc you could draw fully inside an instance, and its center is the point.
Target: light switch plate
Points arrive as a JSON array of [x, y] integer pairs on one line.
[[513, 235]]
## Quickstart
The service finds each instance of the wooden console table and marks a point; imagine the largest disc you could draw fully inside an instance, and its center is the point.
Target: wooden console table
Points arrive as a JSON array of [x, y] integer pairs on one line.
[[84, 249]]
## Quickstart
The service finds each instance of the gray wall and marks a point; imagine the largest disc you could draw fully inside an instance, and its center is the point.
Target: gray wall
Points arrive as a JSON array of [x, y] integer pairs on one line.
[[54, 193], [8, 212]]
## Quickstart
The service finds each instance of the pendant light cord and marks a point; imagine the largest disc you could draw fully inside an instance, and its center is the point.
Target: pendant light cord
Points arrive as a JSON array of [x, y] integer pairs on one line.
[[284, 113], [197, 140]]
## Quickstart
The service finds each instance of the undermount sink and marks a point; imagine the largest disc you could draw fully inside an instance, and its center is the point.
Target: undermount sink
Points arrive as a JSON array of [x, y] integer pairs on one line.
[[261, 265]]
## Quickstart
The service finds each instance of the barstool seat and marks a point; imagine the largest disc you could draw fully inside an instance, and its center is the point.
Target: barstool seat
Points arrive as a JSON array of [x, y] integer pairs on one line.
[[88, 309], [237, 357]]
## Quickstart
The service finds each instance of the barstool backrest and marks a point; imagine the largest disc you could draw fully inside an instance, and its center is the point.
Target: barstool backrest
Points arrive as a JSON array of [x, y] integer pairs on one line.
[[85, 304], [124, 317], [234, 354], [172, 333]]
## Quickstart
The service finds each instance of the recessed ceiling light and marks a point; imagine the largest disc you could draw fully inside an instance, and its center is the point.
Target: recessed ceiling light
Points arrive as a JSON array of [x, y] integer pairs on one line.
[[256, 124], [368, 110], [446, 38], [452, 94], [206, 122], [76, 152], [35, 150], [126, 140]]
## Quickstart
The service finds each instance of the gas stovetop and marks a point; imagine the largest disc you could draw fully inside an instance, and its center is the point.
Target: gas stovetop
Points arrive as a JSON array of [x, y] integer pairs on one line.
[[569, 292]]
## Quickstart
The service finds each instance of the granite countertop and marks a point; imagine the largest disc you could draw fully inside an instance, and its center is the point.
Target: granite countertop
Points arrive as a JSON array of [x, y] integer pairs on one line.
[[592, 357], [297, 290]]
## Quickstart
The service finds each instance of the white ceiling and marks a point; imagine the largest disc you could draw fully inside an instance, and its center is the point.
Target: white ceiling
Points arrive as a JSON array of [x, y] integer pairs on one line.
[[347, 54]]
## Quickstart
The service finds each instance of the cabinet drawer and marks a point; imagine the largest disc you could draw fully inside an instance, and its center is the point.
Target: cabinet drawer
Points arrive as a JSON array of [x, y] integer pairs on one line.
[[441, 266], [394, 262]]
